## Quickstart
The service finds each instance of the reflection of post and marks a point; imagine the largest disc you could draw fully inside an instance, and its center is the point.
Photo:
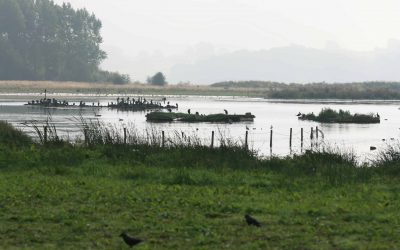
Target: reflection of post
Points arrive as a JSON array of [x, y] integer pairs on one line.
[[290, 140], [212, 139], [316, 132], [163, 139], [245, 141]]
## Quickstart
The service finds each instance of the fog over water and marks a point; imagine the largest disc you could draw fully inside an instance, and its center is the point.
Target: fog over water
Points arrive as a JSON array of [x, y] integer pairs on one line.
[[288, 41]]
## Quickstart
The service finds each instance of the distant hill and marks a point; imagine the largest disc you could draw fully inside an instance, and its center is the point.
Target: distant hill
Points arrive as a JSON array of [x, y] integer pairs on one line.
[[295, 64]]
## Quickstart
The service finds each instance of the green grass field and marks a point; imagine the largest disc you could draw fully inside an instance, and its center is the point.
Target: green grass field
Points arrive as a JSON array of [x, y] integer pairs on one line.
[[60, 196]]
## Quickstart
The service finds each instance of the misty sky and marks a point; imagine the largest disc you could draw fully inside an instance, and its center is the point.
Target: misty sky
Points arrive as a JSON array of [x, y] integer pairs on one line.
[[142, 37]]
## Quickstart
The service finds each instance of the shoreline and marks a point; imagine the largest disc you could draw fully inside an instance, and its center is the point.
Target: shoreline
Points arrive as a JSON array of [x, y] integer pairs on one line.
[[222, 98]]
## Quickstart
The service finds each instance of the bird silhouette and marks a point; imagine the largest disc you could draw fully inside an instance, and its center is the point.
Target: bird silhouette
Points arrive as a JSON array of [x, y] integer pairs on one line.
[[251, 221], [247, 128], [189, 111], [226, 111], [130, 241]]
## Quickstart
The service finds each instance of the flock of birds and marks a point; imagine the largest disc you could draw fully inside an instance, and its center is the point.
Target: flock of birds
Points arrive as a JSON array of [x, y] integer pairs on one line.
[[132, 241]]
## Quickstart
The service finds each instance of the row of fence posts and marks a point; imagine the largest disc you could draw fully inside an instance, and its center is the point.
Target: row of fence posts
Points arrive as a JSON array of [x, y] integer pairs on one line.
[[246, 145]]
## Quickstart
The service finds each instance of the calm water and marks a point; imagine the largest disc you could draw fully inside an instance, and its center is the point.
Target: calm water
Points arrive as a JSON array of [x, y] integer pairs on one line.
[[280, 116]]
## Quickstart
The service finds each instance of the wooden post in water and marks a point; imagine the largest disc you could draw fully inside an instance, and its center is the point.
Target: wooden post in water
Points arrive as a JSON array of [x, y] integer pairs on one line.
[[212, 139], [163, 139], [245, 141], [302, 138], [312, 136], [45, 134], [316, 132], [290, 138], [270, 139], [125, 139]]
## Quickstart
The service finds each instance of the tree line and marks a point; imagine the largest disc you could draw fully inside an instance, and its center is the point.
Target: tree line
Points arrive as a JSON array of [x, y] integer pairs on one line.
[[356, 90], [40, 40]]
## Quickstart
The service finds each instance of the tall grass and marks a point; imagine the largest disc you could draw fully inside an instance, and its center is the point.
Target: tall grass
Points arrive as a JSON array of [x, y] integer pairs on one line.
[[388, 160], [12, 136], [105, 143]]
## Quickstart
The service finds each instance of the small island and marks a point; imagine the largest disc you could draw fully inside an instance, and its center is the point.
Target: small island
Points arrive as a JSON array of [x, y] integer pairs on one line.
[[328, 115], [183, 117], [122, 104], [139, 104]]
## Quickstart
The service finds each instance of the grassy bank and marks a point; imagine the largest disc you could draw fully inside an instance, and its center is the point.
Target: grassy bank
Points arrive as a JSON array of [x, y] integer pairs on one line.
[[270, 90], [328, 115], [134, 89], [63, 196], [350, 91]]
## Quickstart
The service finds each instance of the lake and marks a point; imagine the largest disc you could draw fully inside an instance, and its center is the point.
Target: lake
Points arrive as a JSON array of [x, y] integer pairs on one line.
[[275, 114]]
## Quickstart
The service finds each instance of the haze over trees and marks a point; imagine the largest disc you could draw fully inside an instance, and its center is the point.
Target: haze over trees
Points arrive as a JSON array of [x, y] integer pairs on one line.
[[40, 40], [158, 79], [294, 63]]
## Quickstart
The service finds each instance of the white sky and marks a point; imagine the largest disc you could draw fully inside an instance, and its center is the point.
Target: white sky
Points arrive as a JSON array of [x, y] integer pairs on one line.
[[171, 27]]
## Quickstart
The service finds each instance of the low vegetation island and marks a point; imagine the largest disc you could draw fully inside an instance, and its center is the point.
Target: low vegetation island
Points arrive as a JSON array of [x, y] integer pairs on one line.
[[328, 115], [184, 117]]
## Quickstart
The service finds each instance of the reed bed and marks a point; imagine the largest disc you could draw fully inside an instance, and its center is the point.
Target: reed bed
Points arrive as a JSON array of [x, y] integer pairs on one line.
[[330, 165]]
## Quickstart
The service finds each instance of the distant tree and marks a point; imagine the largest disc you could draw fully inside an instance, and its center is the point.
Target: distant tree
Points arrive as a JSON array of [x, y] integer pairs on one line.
[[158, 79], [40, 40]]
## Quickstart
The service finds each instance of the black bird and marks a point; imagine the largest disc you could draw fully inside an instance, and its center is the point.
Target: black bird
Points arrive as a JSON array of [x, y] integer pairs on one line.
[[299, 114], [251, 221], [170, 110], [189, 111], [130, 241], [226, 111]]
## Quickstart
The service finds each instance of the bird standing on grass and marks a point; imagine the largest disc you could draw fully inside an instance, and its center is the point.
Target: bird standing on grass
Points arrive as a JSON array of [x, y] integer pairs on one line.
[[251, 221], [130, 241], [226, 111]]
